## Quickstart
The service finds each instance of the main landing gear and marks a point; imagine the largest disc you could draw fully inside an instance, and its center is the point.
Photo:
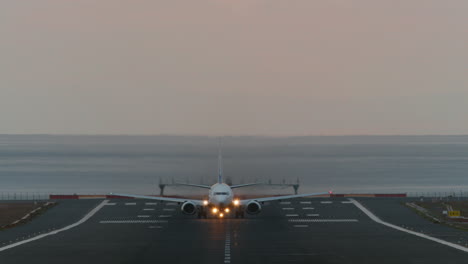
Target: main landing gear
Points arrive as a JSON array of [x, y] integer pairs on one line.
[[202, 213], [239, 213]]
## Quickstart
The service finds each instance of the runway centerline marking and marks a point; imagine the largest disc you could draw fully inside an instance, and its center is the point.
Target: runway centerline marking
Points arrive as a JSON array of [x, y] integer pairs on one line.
[[143, 216], [323, 220], [307, 208], [148, 209], [227, 248], [346, 202], [285, 202], [162, 216], [326, 202], [378, 220], [81, 221], [312, 214], [150, 203], [133, 221], [306, 202], [168, 209], [292, 215], [130, 203], [110, 204], [288, 208]]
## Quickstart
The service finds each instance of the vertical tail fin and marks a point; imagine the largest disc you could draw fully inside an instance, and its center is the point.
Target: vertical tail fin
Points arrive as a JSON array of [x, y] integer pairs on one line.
[[220, 163]]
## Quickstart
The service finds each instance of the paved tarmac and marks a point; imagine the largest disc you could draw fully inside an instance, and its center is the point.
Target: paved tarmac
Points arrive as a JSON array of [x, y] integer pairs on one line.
[[320, 230]]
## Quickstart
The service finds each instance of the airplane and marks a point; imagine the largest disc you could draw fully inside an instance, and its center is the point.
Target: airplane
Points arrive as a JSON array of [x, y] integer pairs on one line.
[[221, 199]]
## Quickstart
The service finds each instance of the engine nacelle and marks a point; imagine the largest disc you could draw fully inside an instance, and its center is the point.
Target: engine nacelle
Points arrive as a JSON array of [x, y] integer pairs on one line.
[[188, 208], [253, 207]]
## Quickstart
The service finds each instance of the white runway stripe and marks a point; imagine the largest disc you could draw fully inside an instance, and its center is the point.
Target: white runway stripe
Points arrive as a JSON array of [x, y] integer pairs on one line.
[[291, 215], [306, 202], [168, 209], [81, 221], [285, 202], [301, 225], [148, 209], [312, 214], [111, 204], [143, 216], [130, 203], [323, 220], [288, 208], [132, 221], [151, 203], [346, 202], [326, 202], [162, 216], [308, 208], [227, 248], [378, 220]]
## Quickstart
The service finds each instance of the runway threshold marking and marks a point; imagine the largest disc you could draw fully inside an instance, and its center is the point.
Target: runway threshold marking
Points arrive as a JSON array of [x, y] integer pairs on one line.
[[81, 221], [378, 220]]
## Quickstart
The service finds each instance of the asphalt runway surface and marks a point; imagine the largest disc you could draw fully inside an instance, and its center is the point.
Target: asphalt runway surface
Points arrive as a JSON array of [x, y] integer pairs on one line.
[[318, 230]]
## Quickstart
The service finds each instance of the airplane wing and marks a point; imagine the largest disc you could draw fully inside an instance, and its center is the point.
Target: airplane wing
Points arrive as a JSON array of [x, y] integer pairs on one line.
[[158, 198], [284, 197], [244, 185], [192, 185]]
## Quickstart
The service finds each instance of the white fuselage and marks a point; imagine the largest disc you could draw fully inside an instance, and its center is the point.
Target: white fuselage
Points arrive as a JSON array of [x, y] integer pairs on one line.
[[220, 195]]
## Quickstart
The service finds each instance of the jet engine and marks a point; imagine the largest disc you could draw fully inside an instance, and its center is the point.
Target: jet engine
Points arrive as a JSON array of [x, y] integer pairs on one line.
[[253, 207], [188, 208]]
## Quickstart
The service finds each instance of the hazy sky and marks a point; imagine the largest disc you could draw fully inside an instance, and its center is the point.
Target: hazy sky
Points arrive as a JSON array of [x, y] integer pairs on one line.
[[219, 67]]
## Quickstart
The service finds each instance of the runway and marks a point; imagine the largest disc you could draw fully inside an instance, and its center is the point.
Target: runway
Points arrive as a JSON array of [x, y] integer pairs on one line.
[[321, 230]]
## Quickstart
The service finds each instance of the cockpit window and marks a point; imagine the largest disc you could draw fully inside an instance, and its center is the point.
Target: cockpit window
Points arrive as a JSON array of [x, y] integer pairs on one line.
[[221, 193]]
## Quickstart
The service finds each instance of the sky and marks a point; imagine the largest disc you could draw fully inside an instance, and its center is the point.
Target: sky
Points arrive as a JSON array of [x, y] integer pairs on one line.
[[240, 67]]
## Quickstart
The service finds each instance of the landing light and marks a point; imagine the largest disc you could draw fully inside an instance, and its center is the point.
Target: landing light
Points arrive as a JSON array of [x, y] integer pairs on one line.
[[226, 210], [215, 210], [221, 215], [205, 202], [236, 202]]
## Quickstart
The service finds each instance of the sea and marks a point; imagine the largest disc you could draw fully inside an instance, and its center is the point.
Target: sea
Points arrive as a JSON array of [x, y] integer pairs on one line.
[[100, 164]]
